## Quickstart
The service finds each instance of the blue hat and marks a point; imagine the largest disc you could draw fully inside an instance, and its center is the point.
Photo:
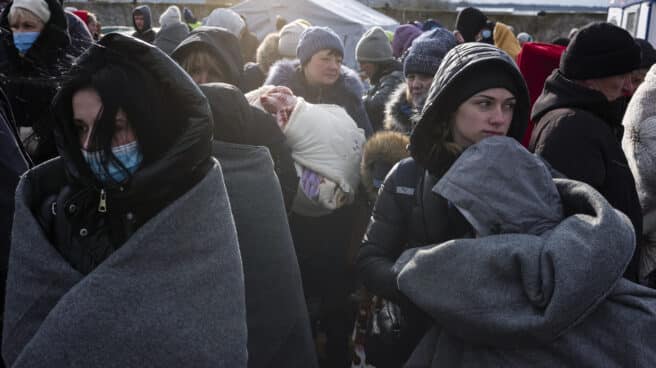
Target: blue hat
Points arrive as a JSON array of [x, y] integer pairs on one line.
[[315, 39], [427, 51]]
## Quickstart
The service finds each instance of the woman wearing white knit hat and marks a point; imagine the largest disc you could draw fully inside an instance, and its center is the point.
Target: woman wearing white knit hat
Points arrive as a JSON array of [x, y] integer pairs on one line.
[[38, 50]]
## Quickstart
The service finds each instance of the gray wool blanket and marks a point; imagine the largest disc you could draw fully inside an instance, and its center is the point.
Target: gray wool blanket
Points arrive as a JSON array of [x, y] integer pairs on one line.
[[171, 296], [547, 292]]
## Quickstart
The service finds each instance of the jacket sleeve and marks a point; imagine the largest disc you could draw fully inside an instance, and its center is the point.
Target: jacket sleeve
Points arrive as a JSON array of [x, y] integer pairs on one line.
[[570, 146], [375, 103], [383, 242], [359, 114]]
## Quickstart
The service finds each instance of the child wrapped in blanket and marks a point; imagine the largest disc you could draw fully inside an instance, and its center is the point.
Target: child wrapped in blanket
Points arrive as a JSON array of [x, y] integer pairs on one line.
[[326, 146]]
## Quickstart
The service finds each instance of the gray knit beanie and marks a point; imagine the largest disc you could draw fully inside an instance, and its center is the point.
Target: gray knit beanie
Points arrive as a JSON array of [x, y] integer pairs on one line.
[[315, 39], [374, 46]]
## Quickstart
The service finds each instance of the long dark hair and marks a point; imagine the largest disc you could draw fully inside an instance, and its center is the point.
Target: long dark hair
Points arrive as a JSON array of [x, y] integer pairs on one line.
[[125, 86]]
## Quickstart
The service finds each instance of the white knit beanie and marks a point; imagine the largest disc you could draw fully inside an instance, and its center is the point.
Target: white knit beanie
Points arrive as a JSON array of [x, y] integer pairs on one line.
[[37, 7], [170, 16], [227, 19], [289, 36]]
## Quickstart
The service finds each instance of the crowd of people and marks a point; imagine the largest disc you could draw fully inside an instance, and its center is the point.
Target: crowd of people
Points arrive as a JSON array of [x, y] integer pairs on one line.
[[195, 197]]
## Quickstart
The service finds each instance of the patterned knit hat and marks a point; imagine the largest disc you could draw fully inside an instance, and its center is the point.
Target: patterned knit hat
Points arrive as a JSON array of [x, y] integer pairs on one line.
[[315, 39], [427, 51]]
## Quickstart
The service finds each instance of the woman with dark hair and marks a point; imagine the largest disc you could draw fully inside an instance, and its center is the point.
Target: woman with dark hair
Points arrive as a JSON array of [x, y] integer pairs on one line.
[[138, 280], [476, 93]]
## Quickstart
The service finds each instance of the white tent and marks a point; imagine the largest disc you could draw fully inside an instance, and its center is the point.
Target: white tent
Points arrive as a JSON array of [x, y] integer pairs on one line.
[[348, 18]]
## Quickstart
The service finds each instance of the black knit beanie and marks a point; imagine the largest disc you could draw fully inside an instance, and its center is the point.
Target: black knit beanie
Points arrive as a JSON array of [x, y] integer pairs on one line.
[[469, 22], [600, 50], [482, 77], [647, 53]]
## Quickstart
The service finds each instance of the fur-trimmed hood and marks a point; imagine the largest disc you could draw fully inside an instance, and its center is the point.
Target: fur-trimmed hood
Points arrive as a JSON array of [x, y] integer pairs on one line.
[[267, 53], [288, 73], [381, 152], [398, 111]]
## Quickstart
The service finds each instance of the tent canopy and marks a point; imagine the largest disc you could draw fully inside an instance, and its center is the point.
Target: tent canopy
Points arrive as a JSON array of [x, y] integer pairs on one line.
[[348, 18]]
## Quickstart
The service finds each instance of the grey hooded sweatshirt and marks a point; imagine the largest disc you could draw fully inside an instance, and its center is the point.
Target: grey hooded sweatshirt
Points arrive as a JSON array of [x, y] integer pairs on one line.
[[542, 285]]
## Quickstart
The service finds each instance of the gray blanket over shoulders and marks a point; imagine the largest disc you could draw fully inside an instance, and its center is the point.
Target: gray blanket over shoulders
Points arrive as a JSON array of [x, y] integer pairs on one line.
[[538, 293], [279, 332], [171, 296]]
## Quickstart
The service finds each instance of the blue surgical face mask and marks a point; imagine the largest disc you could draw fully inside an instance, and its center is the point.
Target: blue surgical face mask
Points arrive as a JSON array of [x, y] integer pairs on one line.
[[24, 40], [128, 155]]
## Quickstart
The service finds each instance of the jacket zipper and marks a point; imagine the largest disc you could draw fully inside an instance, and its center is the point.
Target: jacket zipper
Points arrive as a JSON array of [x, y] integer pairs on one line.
[[102, 204]]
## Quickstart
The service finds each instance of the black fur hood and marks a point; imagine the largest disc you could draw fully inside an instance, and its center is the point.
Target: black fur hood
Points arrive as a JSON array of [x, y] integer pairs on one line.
[[398, 111]]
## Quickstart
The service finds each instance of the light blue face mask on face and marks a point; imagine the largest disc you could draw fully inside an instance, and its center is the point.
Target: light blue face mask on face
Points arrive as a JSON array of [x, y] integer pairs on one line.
[[24, 40], [128, 155]]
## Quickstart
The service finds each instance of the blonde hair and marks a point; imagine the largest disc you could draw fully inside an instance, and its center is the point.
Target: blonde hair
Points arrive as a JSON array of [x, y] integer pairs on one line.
[[16, 14], [200, 59]]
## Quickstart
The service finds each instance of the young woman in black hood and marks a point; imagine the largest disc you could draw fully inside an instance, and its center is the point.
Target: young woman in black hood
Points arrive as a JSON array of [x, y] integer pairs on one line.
[[124, 249], [477, 92]]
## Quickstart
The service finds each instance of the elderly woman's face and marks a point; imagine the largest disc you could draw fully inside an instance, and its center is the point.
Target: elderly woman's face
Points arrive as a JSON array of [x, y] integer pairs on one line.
[[418, 86], [487, 113], [323, 68], [25, 22], [87, 105]]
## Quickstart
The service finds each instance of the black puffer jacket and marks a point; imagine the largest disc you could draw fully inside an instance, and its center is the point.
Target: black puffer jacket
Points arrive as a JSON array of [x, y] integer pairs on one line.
[[346, 92], [383, 84], [245, 124], [71, 214], [579, 133], [32, 80], [407, 213]]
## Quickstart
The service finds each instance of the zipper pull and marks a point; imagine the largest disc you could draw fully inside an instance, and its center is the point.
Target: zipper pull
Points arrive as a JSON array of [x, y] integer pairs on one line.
[[102, 205]]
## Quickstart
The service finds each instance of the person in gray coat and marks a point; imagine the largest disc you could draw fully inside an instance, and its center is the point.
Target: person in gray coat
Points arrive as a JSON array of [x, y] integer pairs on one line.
[[124, 249], [541, 284], [172, 30]]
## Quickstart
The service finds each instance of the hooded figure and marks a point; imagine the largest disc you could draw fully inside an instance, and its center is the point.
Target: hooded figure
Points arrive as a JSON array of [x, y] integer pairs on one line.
[[407, 214], [214, 46], [141, 20], [31, 78], [639, 144], [173, 31], [541, 285], [139, 280]]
